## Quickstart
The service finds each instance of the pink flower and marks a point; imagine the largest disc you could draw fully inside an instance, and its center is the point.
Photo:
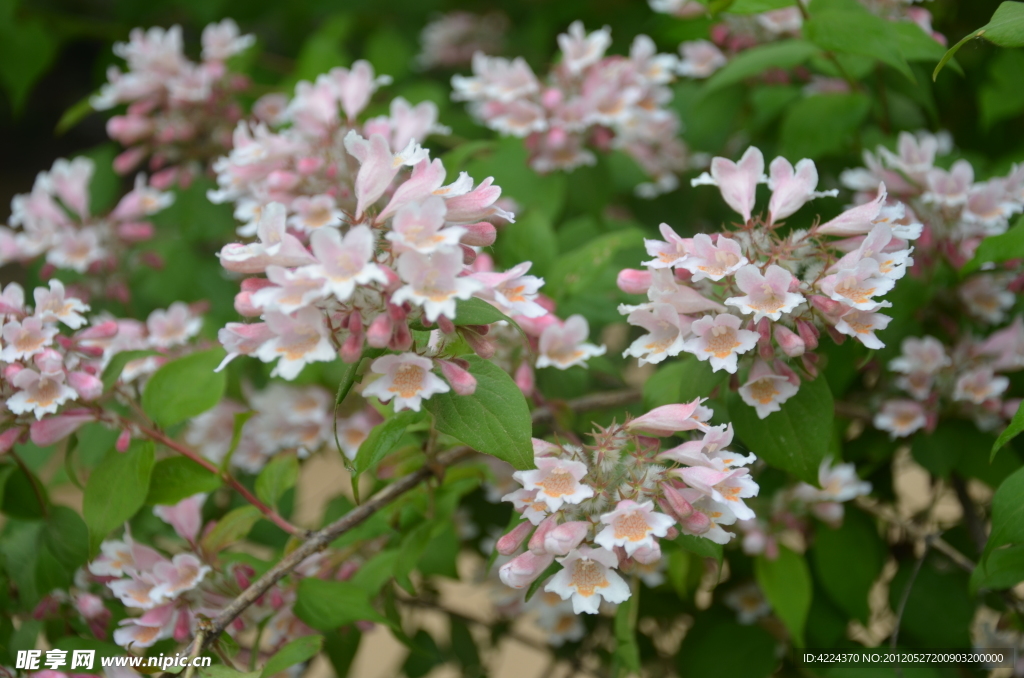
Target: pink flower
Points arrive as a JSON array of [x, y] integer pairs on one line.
[[587, 576], [407, 378], [172, 327], [526, 502], [313, 213], [670, 252], [419, 226], [40, 392], [298, 339], [378, 165], [713, 261], [977, 386], [580, 50], [920, 355], [562, 539], [356, 86], [856, 220], [949, 188], [720, 340], [524, 569], [70, 180], [477, 205], [671, 419], [53, 429], [513, 292], [900, 418], [737, 181], [185, 516], [433, 282], [221, 41], [768, 295], [52, 305], [556, 481], [26, 338], [766, 391], [862, 326], [563, 345], [709, 451], [633, 526], [700, 59], [343, 262], [275, 247], [665, 337], [791, 189], [179, 575], [857, 286]]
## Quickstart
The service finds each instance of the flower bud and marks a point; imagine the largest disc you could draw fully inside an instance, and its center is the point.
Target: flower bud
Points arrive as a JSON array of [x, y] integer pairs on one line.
[[565, 537], [104, 330], [244, 306], [524, 378], [165, 178], [10, 437], [789, 341], [129, 160], [468, 255], [536, 544], [696, 523], [647, 554], [485, 348], [52, 429], [281, 180], [379, 333], [510, 543], [136, 231], [764, 342], [480, 234], [309, 165], [401, 338], [88, 386], [632, 281], [462, 382], [677, 505], [445, 325], [524, 569], [829, 307], [809, 361]]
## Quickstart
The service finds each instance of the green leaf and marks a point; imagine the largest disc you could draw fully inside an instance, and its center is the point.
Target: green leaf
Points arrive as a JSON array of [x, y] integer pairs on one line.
[[756, 60], [627, 652], [326, 605], [184, 388], [857, 31], [575, 271], [116, 489], [277, 477], [494, 420], [19, 496], [236, 437], [718, 646], [848, 560], [231, 528], [74, 115], [67, 537], [1014, 428], [112, 372], [413, 545], [383, 439], [680, 382], [341, 647], [222, 671], [757, 6], [704, 548], [464, 648], [998, 248], [795, 439], [531, 239], [1007, 514], [177, 478], [475, 311], [940, 451], [27, 49], [939, 605], [1006, 29], [822, 124], [1003, 569], [296, 652], [786, 583], [322, 50]]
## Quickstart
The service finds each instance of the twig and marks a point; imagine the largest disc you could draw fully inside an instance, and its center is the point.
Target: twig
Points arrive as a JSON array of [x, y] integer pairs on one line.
[[319, 540], [186, 451], [933, 540], [904, 597]]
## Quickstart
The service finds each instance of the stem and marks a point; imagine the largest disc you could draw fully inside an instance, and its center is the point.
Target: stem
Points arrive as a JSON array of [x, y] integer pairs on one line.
[[933, 540], [319, 540], [975, 527], [186, 451]]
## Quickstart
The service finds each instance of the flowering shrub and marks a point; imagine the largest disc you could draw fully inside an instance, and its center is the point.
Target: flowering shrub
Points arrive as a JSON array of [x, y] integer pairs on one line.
[[332, 344]]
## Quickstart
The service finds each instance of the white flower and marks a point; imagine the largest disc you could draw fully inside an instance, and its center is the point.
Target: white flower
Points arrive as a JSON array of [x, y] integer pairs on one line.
[[433, 282], [979, 385], [26, 338], [862, 325], [557, 482], [172, 327], [564, 345], [720, 340], [665, 335], [40, 392], [407, 378], [632, 526], [52, 305], [900, 418], [586, 577], [299, 339], [766, 391], [768, 295], [729, 487], [714, 261]]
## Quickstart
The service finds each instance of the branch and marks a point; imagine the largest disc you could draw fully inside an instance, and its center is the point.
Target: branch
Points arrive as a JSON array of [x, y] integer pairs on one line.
[[319, 540], [929, 538]]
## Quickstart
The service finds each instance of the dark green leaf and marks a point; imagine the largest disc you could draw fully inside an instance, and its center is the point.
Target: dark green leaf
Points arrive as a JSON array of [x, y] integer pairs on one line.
[[539, 582], [494, 420], [296, 652], [112, 372], [424, 655], [718, 646], [822, 124], [681, 381], [1002, 569], [413, 546], [1007, 513], [117, 489], [383, 439], [1005, 29], [998, 248], [848, 560], [26, 50], [177, 478], [795, 439], [341, 646], [277, 477], [575, 271], [229, 529], [939, 606], [849, 31], [940, 451], [326, 605], [704, 548], [464, 648], [786, 583], [24, 495], [67, 537], [756, 60], [184, 388]]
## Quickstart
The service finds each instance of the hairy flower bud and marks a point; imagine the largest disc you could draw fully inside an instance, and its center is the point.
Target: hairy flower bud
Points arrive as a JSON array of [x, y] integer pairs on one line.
[[632, 281], [524, 569], [462, 382], [379, 333], [510, 543], [696, 523], [676, 503], [565, 537], [536, 544], [789, 341], [481, 234]]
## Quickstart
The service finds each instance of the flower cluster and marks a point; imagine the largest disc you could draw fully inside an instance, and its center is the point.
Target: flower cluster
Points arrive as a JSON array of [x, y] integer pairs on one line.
[[589, 101], [964, 380], [452, 39], [595, 508], [54, 221], [791, 507], [753, 290], [179, 113], [957, 211]]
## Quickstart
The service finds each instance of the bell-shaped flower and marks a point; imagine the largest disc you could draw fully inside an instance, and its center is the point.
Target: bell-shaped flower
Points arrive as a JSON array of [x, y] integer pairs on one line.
[[420, 227], [857, 286], [925, 354], [580, 50], [477, 205], [856, 220], [177, 576], [513, 292], [26, 338], [720, 340], [313, 213], [155, 625], [563, 345], [768, 295], [524, 569], [792, 189], [633, 526], [900, 418], [185, 517], [557, 482], [949, 188], [976, 386], [669, 252], [713, 260], [406, 378], [988, 206], [43, 391], [173, 327], [711, 450], [587, 576], [766, 391], [342, 262], [298, 339], [52, 305], [242, 339], [275, 247], [291, 289], [526, 502], [840, 483], [562, 539], [355, 86], [729, 487], [987, 297], [668, 420], [666, 332], [700, 59], [664, 289], [433, 282], [862, 325], [737, 181], [424, 181], [378, 165]]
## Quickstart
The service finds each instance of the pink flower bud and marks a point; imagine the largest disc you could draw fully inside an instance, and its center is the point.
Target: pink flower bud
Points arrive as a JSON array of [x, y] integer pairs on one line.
[[86, 385], [128, 129], [123, 441], [825, 305], [401, 338], [764, 342], [445, 325], [104, 330], [183, 626], [677, 505], [524, 378], [136, 231], [243, 575], [485, 348], [480, 234], [536, 544], [648, 554], [632, 281], [379, 333], [12, 370], [129, 160], [244, 306], [461, 380], [52, 429], [522, 570], [697, 523], [281, 180], [90, 606], [837, 336], [468, 255], [510, 543], [565, 537], [809, 361], [165, 178], [551, 97], [10, 437], [309, 165], [790, 342]]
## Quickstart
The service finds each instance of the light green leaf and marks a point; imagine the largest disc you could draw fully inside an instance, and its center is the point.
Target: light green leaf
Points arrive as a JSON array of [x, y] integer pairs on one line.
[[1006, 29], [384, 438], [116, 489], [184, 388], [277, 477], [756, 60], [74, 115], [296, 652], [231, 528], [1007, 514], [786, 583], [795, 439], [574, 271], [1010, 432], [112, 372], [681, 381], [326, 605], [177, 478], [494, 420], [702, 547], [475, 311], [822, 124], [857, 31], [627, 652], [998, 248]]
